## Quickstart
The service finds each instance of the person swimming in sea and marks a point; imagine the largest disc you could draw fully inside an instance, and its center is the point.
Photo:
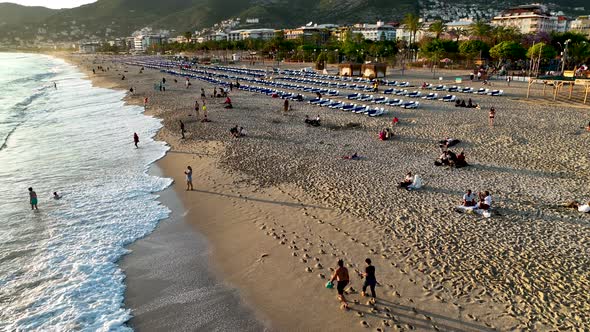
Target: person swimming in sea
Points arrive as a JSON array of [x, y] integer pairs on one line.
[[56, 196]]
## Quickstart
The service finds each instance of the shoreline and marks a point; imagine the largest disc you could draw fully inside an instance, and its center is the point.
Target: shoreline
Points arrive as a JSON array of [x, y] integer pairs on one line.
[[267, 233], [202, 291]]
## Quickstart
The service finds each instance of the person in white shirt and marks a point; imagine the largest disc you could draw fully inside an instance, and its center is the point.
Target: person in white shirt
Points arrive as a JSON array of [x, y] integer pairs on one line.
[[469, 198], [485, 201]]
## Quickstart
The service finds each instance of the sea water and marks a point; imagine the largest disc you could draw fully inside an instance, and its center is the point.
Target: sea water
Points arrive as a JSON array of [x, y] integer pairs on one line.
[[58, 265]]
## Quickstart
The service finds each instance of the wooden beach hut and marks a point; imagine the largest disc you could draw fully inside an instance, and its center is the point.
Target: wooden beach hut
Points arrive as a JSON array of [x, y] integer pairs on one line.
[[349, 69], [374, 70]]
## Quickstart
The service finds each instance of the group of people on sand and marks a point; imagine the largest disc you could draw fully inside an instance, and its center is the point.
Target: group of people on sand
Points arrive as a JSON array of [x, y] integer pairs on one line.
[[237, 131], [481, 201], [451, 159], [342, 279], [469, 104], [411, 182]]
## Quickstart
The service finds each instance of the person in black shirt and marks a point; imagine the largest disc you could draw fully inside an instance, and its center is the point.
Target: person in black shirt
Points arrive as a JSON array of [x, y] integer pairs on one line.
[[370, 280]]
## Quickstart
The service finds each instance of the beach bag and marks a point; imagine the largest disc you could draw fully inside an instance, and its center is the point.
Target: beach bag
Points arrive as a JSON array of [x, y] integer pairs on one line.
[[329, 285]]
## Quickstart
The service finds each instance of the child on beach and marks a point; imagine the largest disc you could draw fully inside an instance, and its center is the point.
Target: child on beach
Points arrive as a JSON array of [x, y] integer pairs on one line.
[[189, 178], [341, 275], [33, 199], [370, 279], [492, 116]]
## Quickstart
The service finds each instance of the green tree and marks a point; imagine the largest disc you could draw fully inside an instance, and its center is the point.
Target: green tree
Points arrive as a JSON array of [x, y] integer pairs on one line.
[[480, 29], [507, 50], [188, 36], [546, 51], [438, 28], [472, 48], [500, 34]]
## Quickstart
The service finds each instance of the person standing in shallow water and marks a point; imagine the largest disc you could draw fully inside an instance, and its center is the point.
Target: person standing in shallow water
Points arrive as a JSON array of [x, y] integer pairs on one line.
[[136, 140], [189, 178], [33, 199], [492, 116]]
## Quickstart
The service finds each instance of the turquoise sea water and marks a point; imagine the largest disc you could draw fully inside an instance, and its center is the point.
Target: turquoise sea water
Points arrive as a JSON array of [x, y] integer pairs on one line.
[[58, 268]]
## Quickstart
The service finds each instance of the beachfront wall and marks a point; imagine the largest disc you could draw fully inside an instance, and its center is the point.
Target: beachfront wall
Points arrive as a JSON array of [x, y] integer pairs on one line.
[[349, 69], [374, 70]]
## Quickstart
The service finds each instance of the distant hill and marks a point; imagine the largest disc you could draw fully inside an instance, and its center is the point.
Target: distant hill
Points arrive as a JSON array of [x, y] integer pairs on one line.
[[15, 14], [116, 18]]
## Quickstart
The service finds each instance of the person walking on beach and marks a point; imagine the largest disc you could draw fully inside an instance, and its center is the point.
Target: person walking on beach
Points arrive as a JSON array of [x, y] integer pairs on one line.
[[182, 128], [33, 199], [492, 116], [370, 279], [341, 275], [189, 178], [204, 113], [286, 105], [145, 102], [136, 140]]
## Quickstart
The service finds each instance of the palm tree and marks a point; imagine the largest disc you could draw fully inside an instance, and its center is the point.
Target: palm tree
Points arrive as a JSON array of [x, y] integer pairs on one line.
[[187, 36], [437, 27], [456, 33], [412, 22], [480, 29]]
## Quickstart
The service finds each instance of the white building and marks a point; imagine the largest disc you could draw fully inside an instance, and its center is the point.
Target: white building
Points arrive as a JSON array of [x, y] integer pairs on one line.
[[528, 19], [89, 47], [581, 25], [375, 32]]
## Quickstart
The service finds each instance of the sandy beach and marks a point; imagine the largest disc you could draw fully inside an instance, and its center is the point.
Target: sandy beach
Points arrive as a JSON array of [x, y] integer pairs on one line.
[[280, 206]]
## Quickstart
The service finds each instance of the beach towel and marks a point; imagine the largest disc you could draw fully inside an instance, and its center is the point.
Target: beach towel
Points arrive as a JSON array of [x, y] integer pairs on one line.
[[584, 208]]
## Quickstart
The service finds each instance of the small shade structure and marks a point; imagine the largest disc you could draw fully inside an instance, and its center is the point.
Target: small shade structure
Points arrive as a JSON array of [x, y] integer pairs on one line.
[[374, 70], [349, 69]]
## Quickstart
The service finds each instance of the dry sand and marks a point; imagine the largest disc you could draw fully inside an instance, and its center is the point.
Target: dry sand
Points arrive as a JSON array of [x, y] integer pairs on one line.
[[281, 202]]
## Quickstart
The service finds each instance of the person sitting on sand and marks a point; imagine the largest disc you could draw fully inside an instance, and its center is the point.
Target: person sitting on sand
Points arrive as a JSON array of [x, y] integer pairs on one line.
[[463, 104], [485, 201], [242, 132], [227, 103], [460, 161], [235, 132], [341, 275], [354, 156], [408, 180], [424, 85], [388, 133], [443, 160], [584, 208], [458, 103], [299, 97], [469, 198], [588, 128], [382, 135], [319, 95], [470, 103], [314, 122]]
